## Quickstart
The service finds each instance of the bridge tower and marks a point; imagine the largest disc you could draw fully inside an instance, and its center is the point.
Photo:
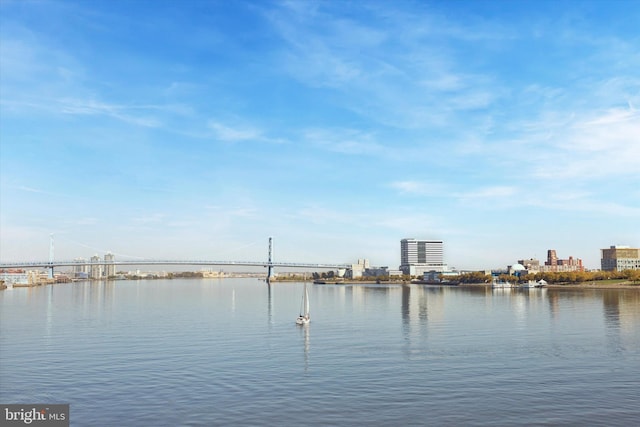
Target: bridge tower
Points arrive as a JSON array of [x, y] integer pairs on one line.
[[270, 262], [51, 256]]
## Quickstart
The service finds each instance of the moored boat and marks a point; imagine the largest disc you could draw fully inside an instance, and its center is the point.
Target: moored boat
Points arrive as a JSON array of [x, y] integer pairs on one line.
[[502, 284]]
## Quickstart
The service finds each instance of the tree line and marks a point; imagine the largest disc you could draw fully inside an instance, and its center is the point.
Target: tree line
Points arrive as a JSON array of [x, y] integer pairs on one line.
[[553, 277]]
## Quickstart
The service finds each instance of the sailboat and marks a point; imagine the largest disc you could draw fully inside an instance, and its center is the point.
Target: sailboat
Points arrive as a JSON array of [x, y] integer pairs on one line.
[[304, 318]]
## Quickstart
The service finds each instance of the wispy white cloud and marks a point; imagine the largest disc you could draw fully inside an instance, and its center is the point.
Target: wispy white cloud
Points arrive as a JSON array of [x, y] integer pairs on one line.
[[393, 74], [40, 191], [499, 191], [594, 146], [238, 133], [583, 202], [82, 107], [345, 141], [120, 112], [180, 89], [234, 134], [345, 219], [29, 189], [40, 77], [419, 188]]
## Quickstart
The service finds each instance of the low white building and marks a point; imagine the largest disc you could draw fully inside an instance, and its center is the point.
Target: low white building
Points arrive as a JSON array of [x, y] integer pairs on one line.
[[363, 269], [357, 270], [421, 269], [14, 276]]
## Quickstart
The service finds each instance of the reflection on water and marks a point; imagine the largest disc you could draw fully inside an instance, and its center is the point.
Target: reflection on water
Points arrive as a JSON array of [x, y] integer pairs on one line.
[[269, 304], [304, 332], [228, 352], [622, 316], [611, 303], [620, 307]]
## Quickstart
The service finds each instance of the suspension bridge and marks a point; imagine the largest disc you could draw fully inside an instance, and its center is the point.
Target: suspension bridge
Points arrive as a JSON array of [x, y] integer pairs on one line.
[[269, 264]]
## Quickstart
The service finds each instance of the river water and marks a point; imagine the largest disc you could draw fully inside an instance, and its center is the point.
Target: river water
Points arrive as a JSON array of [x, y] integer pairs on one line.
[[207, 352]]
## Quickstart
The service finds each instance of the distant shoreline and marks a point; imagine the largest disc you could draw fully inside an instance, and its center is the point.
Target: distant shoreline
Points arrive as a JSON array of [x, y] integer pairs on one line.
[[583, 285]]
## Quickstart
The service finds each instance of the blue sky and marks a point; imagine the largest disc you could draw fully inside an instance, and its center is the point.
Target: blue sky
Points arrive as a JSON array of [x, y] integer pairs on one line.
[[198, 129]]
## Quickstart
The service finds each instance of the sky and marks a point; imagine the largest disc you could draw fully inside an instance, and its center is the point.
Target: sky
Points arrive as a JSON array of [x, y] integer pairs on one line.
[[198, 129]]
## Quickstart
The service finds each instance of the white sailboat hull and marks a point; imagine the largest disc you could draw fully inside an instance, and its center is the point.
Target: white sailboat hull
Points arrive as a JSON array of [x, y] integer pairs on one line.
[[304, 317]]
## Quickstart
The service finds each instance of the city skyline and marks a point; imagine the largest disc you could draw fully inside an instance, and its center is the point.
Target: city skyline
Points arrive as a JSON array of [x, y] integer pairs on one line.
[[196, 130], [417, 252]]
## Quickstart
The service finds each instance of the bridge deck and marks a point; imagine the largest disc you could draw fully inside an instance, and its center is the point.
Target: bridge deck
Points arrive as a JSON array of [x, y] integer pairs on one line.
[[55, 264]]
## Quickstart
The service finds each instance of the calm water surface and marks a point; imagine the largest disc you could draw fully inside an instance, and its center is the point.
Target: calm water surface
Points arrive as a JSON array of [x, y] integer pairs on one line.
[[227, 352]]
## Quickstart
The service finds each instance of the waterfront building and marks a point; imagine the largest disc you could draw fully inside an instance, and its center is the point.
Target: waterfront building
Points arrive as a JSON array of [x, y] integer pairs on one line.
[[210, 274], [357, 270], [22, 278], [363, 269], [620, 258], [385, 272], [37, 278], [96, 267], [12, 276], [380, 272], [81, 270], [420, 256], [517, 270], [440, 277], [109, 266], [552, 265], [532, 265]]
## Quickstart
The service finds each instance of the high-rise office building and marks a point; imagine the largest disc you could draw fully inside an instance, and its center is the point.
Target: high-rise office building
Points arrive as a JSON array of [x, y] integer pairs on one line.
[[420, 256], [96, 268], [109, 266]]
